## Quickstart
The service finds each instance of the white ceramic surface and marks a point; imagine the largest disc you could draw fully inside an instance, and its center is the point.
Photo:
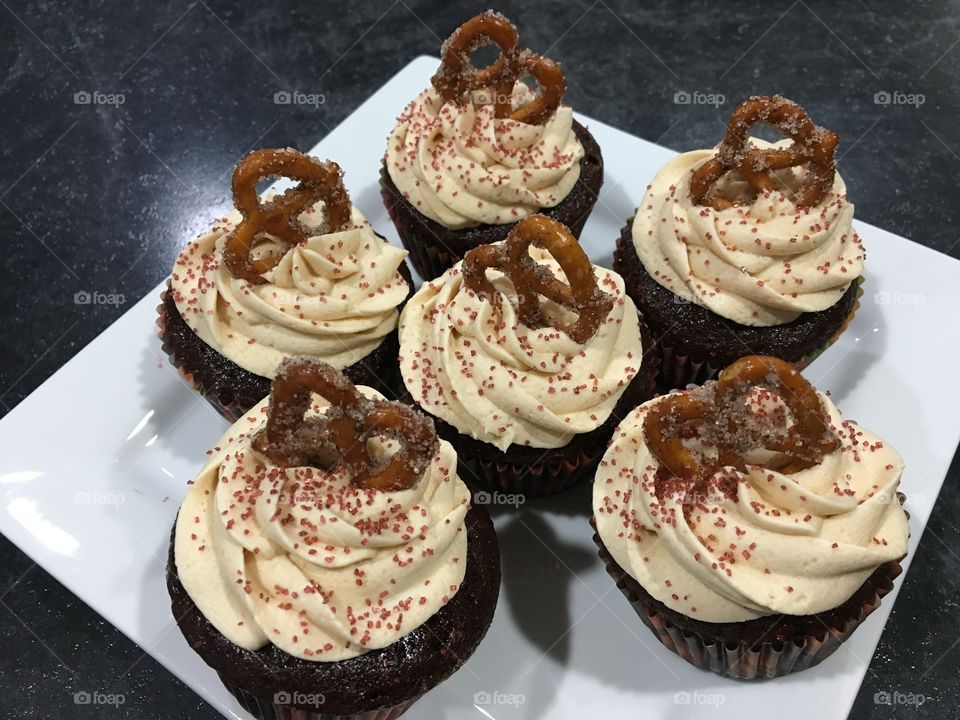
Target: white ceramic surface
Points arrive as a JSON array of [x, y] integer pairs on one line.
[[94, 463]]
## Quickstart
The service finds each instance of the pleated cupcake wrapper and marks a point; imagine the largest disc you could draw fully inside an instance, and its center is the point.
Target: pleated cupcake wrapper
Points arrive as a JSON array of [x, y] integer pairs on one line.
[[428, 255], [227, 407], [679, 368], [741, 659], [811, 356], [528, 481], [267, 709]]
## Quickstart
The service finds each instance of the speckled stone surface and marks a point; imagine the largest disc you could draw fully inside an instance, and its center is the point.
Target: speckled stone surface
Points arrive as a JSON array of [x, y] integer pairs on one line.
[[99, 197]]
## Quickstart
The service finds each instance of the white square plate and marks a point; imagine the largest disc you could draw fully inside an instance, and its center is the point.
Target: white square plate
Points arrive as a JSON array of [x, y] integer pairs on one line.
[[94, 463]]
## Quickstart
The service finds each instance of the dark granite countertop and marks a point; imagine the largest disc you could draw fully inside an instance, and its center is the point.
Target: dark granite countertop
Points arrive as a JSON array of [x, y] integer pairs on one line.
[[99, 196]]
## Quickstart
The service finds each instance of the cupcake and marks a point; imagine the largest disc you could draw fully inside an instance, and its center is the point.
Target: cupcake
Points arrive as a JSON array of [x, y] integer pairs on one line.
[[747, 522], [747, 248], [326, 562], [479, 151], [524, 375], [303, 274]]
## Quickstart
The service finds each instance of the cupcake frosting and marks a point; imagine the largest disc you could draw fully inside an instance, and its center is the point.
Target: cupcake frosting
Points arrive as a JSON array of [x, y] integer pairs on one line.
[[762, 263], [741, 545], [471, 363], [333, 297], [301, 558], [460, 166]]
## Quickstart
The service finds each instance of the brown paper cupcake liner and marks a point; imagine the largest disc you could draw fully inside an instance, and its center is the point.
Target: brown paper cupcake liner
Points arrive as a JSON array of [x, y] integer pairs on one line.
[[679, 365], [429, 257], [751, 659], [679, 368], [224, 404], [810, 357], [224, 399], [530, 481], [268, 709]]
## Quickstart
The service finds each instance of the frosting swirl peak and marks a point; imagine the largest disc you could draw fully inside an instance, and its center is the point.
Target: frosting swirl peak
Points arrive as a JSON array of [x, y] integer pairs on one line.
[[472, 363], [738, 545], [461, 166], [762, 263], [333, 297]]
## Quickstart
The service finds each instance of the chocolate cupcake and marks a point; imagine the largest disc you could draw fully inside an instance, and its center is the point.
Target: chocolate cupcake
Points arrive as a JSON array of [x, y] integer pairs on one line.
[[478, 151], [525, 376], [743, 249], [326, 561], [750, 526], [303, 274]]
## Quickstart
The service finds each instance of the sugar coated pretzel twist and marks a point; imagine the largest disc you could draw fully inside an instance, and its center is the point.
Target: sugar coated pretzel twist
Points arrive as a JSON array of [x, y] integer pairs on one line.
[[718, 420], [279, 216], [531, 279], [813, 147], [338, 438], [457, 78]]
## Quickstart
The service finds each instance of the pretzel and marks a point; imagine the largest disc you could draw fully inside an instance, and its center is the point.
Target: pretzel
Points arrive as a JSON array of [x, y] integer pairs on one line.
[[813, 147], [717, 415], [457, 78], [551, 84], [279, 217], [531, 279], [339, 436]]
